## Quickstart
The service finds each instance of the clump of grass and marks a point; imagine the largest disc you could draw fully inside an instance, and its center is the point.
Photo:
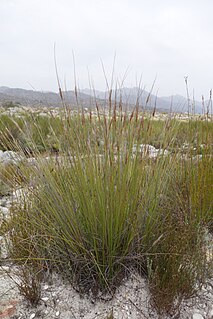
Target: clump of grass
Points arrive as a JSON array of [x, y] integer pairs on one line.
[[28, 278], [8, 175], [30, 133], [10, 128], [100, 209], [30, 284], [13, 175], [177, 265]]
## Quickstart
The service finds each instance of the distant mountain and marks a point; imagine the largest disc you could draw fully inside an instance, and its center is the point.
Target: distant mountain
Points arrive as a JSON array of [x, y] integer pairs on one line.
[[26, 97], [37, 98], [182, 104], [86, 98], [131, 96]]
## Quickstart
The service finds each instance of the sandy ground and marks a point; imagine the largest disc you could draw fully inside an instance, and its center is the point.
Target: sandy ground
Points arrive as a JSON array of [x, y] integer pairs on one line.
[[132, 300]]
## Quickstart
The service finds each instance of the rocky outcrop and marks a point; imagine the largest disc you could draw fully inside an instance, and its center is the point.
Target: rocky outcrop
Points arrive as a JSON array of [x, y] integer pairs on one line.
[[10, 157]]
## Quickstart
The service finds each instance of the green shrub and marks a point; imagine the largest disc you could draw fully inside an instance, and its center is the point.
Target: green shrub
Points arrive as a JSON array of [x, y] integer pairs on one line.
[[101, 209]]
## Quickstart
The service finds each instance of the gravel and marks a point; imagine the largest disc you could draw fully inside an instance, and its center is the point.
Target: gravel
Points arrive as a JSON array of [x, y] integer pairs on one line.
[[132, 300]]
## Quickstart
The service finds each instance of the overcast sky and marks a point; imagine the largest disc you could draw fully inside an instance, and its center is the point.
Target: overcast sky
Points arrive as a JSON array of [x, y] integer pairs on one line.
[[167, 39]]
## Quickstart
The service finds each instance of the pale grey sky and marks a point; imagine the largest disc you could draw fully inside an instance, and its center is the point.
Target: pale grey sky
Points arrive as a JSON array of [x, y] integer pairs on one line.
[[164, 38]]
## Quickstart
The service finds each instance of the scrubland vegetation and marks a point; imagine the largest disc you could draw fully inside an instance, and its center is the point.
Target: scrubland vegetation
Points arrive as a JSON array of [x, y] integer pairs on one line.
[[97, 204]]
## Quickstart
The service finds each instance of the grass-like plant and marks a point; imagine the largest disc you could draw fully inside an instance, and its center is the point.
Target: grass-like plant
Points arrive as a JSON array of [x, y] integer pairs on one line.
[[101, 205]]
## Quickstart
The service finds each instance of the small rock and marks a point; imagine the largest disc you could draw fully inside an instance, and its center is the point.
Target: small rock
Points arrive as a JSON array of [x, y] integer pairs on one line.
[[57, 313], [149, 150], [4, 211], [3, 201], [32, 316], [197, 316], [45, 299], [10, 157], [7, 309], [211, 313]]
